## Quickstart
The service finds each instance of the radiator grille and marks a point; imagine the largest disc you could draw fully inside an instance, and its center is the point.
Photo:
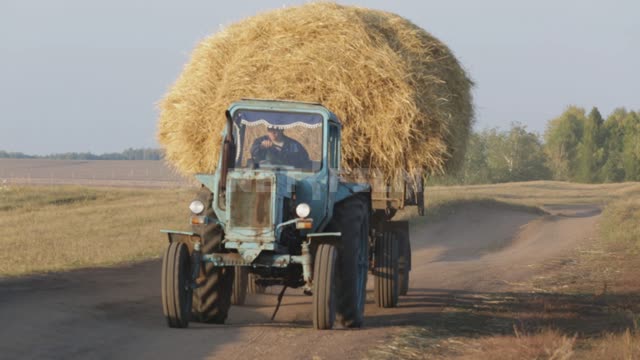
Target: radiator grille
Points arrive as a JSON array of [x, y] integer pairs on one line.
[[250, 203]]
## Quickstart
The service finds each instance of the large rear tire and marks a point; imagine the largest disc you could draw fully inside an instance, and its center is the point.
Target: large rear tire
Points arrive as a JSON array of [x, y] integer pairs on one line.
[[212, 299], [351, 218], [176, 285], [324, 273], [386, 285], [240, 282]]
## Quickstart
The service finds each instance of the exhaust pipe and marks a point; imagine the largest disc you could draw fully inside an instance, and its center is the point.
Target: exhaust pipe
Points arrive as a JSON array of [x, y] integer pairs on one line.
[[228, 151]]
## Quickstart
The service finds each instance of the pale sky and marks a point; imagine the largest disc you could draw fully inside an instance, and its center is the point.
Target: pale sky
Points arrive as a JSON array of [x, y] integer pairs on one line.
[[78, 75]]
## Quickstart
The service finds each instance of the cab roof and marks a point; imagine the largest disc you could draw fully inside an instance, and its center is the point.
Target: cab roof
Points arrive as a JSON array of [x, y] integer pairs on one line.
[[284, 105]]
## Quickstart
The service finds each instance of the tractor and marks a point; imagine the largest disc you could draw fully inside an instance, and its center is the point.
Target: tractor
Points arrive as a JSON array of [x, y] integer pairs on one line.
[[279, 211]]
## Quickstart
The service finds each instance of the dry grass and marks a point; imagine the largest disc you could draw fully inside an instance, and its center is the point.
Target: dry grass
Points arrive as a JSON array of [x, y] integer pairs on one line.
[[420, 343], [536, 193], [394, 86], [65, 227], [535, 196], [621, 223], [545, 344], [625, 346]]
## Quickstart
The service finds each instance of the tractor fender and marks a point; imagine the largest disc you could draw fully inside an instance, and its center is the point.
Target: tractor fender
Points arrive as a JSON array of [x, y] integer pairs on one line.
[[346, 190]]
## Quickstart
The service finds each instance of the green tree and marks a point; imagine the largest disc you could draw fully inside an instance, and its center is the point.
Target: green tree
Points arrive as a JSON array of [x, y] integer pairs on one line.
[[515, 155], [474, 169], [590, 154], [613, 133], [631, 147], [562, 138]]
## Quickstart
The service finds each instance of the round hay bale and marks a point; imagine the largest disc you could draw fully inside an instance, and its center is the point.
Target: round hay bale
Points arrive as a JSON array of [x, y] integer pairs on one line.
[[404, 100]]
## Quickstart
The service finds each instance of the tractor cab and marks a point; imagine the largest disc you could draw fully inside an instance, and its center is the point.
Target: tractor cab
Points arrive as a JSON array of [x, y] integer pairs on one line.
[[284, 136], [277, 179]]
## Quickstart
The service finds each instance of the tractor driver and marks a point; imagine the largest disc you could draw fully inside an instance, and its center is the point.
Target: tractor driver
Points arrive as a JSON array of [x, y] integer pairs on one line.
[[279, 149]]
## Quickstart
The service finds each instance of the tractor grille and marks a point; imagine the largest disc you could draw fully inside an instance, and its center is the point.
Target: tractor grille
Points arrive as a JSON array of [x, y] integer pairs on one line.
[[250, 203]]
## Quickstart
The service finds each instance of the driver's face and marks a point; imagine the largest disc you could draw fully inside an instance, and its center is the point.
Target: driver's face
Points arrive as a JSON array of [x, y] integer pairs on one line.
[[274, 134]]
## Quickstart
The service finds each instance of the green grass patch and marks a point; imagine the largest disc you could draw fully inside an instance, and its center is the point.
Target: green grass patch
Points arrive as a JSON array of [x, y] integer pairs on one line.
[[621, 223]]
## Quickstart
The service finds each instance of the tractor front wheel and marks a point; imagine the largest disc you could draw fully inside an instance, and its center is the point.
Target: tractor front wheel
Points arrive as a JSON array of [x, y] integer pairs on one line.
[[176, 285]]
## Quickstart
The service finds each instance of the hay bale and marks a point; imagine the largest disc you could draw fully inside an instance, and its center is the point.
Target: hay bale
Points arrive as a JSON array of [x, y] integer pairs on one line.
[[404, 100]]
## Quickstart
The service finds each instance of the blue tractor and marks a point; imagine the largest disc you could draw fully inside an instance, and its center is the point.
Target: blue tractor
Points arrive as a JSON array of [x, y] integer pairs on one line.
[[278, 211]]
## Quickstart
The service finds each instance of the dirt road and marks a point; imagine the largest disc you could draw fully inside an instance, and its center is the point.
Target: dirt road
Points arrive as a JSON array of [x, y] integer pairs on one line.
[[116, 313]]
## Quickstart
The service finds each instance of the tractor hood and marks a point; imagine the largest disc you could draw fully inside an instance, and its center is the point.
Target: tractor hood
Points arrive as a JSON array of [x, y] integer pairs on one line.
[[254, 204]]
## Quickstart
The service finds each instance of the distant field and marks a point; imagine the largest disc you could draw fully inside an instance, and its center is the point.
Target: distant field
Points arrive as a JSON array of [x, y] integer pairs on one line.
[[54, 228], [132, 173], [49, 228], [542, 194]]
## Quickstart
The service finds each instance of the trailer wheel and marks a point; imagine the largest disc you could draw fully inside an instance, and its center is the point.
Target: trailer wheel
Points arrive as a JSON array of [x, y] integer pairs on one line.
[[404, 263], [240, 282], [351, 218], [324, 304], [176, 285], [254, 288], [386, 270]]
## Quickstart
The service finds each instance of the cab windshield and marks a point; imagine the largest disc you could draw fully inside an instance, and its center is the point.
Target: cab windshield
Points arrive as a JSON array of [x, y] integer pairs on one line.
[[278, 140]]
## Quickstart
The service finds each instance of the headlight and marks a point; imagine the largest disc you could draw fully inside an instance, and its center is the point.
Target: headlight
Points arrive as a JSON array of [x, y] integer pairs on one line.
[[303, 210], [196, 207]]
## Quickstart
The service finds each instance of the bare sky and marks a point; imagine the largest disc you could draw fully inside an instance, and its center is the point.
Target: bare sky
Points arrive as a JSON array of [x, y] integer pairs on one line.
[[79, 75]]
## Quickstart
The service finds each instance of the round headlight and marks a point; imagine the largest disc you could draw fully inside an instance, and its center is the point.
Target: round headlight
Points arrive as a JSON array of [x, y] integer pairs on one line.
[[303, 210], [196, 207]]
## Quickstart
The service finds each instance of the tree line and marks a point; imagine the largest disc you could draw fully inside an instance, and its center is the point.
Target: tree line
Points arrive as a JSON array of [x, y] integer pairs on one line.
[[128, 154], [576, 146]]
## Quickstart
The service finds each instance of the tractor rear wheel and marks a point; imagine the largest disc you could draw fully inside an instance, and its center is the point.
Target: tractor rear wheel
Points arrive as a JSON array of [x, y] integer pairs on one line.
[[386, 270], [351, 218], [324, 276], [212, 298], [240, 280], [176, 285]]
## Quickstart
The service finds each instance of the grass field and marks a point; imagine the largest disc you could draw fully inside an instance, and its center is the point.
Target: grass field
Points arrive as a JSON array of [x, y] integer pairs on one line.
[[535, 193], [53, 228], [534, 196], [65, 227]]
